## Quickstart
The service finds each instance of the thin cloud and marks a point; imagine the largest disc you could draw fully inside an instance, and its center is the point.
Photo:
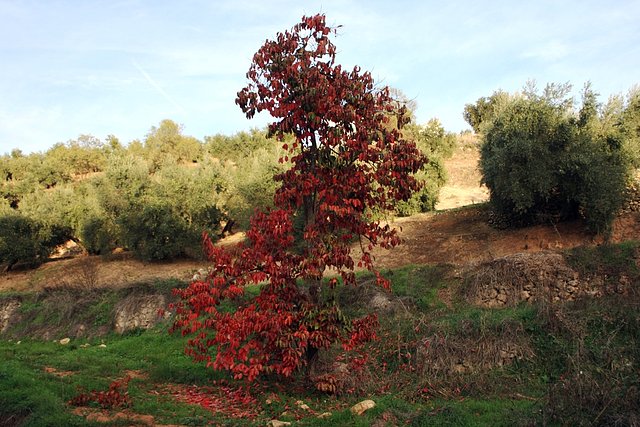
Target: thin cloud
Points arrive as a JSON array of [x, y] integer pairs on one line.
[[156, 86], [80, 58]]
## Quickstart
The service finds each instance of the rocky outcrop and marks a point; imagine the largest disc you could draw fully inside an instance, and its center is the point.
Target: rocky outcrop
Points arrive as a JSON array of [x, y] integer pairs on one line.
[[8, 308], [472, 350], [139, 312], [362, 407]]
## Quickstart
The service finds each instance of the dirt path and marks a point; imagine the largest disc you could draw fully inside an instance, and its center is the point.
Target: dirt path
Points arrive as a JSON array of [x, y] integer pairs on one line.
[[95, 272], [463, 184]]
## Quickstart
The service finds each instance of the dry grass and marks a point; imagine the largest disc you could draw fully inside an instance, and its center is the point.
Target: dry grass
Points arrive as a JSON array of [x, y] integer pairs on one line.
[[472, 350], [84, 275]]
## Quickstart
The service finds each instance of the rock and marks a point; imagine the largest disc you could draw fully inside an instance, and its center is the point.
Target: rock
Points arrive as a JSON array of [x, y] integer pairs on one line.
[[138, 312], [302, 405], [7, 310], [524, 277], [79, 330], [102, 346], [380, 301], [502, 298], [85, 345], [325, 415], [278, 423], [200, 275], [65, 341], [362, 407]]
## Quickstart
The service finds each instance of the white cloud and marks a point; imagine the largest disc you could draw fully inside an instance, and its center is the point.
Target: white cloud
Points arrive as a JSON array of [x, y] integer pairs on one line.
[[156, 86]]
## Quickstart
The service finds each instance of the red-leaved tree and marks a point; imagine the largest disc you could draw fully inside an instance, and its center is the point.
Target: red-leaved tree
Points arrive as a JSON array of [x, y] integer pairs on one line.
[[348, 162]]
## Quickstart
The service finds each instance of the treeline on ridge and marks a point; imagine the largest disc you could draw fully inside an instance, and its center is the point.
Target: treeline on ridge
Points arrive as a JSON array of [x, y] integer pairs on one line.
[[544, 158], [155, 197]]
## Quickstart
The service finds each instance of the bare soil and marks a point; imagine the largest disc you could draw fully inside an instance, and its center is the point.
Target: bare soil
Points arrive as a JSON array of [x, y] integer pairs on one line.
[[458, 233], [116, 272], [463, 184], [464, 236]]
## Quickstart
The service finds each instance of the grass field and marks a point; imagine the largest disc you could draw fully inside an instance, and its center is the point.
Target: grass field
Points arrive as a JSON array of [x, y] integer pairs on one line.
[[439, 361]]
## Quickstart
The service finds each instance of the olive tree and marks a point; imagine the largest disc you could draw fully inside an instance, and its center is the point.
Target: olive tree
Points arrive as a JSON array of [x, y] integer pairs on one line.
[[543, 161]]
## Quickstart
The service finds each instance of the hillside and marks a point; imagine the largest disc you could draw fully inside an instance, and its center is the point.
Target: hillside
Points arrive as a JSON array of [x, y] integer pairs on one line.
[[483, 327], [458, 233]]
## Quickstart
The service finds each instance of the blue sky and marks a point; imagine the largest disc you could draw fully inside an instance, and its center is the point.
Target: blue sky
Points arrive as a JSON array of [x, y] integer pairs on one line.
[[119, 67]]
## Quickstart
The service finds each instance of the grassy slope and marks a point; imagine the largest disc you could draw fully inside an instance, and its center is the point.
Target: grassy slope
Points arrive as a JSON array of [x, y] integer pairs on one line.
[[578, 363]]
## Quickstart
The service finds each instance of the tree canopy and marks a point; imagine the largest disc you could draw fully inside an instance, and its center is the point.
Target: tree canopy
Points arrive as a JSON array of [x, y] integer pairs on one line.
[[544, 160], [344, 161]]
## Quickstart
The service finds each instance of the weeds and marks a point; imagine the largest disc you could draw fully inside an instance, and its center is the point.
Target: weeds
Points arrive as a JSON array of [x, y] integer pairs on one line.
[[599, 383]]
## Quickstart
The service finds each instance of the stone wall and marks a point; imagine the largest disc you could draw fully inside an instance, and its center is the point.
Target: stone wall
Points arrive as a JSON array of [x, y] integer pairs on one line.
[[8, 308], [139, 312], [530, 277]]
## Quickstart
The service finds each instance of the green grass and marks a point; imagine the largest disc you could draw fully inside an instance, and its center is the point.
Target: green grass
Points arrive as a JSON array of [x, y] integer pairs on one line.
[[476, 412], [33, 397], [27, 387], [609, 259], [582, 368], [420, 284]]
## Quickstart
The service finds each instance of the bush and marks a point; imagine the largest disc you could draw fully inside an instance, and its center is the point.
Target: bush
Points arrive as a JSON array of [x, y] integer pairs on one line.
[[153, 232], [437, 145], [543, 162], [630, 125], [193, 194], [24, 240], [432, 177], [98, 235], [250, 184]]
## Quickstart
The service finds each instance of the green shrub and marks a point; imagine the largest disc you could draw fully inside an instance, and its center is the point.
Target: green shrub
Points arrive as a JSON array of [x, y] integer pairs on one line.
[[250, 183], [194, 194], [432, 176], [437, 145], [153, 232], [543, 162], [484, 110], [24, 240], [98, 235]]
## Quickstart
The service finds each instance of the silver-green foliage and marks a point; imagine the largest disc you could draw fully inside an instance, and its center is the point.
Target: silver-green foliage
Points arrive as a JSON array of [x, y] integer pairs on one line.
[[158, 215], [251, 184], [437, 145], [544, 160], [630, 125], [25, 240]]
